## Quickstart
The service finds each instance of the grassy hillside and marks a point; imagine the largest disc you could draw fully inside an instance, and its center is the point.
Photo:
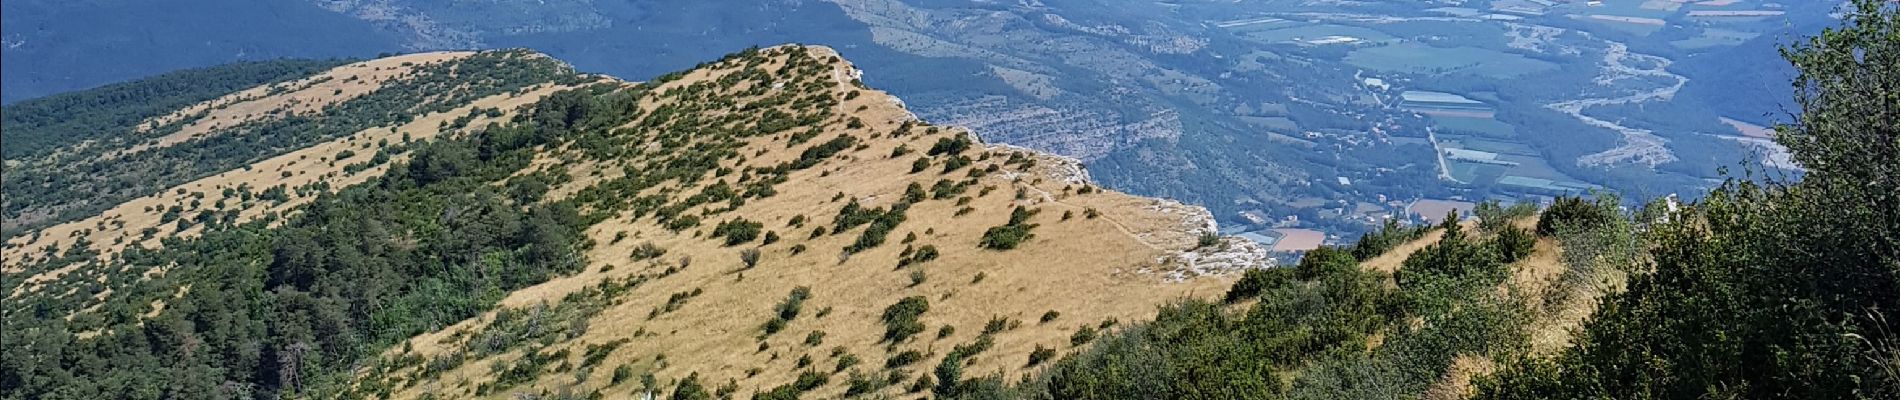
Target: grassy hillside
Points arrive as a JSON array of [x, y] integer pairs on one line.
[[763, 223], [83, 153], [765, 226], [766, 256]]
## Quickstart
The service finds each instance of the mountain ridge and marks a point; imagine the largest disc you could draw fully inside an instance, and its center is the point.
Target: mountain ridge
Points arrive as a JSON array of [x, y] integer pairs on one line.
[[793, 124]]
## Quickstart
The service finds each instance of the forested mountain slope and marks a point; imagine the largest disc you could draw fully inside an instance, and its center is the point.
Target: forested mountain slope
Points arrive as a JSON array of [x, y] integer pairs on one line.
[[73, 156], [765, 226], [490, 224]]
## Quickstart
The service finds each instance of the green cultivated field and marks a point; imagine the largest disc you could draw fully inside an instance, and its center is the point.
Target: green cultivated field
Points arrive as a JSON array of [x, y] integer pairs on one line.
[[1468, 172], [1715, 37], [1486, 127], [1422, 59], [1534, 167], [1481, 144], [1311, 32], [1278, 123]]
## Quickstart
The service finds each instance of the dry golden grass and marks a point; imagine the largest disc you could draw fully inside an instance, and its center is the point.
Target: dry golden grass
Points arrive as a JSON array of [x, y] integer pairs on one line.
[[1087, 269], [299, 97], [121, 227], [1457, 382]]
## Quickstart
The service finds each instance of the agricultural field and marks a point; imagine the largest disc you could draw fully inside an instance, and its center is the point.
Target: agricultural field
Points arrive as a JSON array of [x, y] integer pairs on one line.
[[1298, 239], [1417, 58], [1274, 123], [1313, 34], [1487, 152], [1487, 145], [1634, 25], [1715, 37], [1625, 8], [1486, 127]]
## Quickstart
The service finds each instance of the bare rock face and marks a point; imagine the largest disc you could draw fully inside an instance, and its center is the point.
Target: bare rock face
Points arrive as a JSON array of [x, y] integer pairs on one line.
[[1232, 255]]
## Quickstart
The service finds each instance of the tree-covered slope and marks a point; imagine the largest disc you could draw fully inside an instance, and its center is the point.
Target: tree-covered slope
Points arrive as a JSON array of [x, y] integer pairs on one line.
[[1777, 290], [81, 153], [759, 225], [35, 127]]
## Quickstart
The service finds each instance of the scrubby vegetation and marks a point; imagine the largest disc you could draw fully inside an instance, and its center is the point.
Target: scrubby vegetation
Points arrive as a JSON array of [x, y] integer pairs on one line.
[[900, 320], [1760, 290], [1378, 242], [1198, 347], [1571, 212], [737, 231], [302, 303], [293, 307], [1010, 234], [35, 127], [85, 182], [1766, 290], [788, 310]]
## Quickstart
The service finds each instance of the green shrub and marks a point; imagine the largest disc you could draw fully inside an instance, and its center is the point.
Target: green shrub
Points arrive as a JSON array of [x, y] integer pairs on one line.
[[794, 302], [1513, 243], [1492, 216], [1372, 244], [900, 319], [1082, 336], [914, 193], [1258, 280], [690, 389], [738, 231], [818, 153], [1575, 213], [646, 251], [920, 165], [1040, 354], [1208, 239], [846, 362], [950, 146], [956, 163], [1455, 256], [1010, 234], [996, 324], [621, 373], [788, 310], [902, 359]]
